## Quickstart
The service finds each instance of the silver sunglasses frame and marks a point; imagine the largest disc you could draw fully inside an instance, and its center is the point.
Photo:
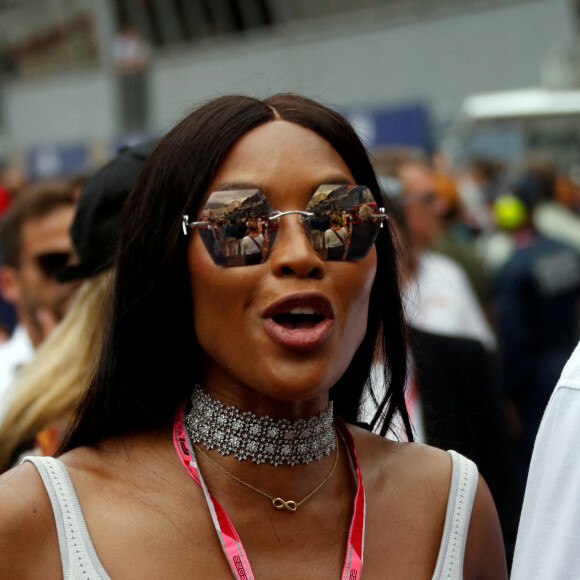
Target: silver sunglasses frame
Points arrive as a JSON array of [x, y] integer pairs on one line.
[[186, 224]]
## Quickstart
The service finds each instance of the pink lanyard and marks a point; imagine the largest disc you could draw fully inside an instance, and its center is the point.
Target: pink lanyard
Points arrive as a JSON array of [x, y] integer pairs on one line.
[[231, 543]]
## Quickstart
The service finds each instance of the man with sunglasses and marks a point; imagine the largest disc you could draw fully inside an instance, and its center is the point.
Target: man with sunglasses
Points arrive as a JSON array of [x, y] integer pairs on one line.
[[34, 243], [439, 296]]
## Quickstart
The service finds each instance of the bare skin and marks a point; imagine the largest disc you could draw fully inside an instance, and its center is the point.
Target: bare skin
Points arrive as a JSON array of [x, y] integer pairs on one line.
[[148, 519], [146, 516]]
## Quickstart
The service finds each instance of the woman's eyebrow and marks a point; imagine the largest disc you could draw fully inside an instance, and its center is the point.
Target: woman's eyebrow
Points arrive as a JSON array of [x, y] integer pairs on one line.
[[336, 180], [235, 185], [232, 186], [330, 181]]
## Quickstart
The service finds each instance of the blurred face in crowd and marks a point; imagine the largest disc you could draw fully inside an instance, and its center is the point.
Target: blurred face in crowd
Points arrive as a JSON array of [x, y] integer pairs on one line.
[[423, 211], [45, 246]]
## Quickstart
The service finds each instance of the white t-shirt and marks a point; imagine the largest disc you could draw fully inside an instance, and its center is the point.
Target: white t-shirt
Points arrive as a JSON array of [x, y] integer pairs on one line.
[[368, 408], [13, 354], [332, 240], [555, 221], [441, 300], [249, 247], [548, 542]]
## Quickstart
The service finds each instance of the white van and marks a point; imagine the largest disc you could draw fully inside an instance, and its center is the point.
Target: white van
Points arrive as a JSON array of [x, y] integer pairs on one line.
[[508, 125]]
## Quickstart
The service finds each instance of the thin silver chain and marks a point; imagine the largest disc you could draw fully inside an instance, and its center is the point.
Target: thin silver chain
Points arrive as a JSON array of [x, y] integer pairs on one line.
[[277, 502]]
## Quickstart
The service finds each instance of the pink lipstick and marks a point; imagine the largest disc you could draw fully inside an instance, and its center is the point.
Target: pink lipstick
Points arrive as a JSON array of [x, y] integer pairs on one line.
[[300, 320]]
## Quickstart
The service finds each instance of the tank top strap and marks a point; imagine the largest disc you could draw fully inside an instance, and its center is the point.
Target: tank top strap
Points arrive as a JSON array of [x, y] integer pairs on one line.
[[464, 478], [78, 556]]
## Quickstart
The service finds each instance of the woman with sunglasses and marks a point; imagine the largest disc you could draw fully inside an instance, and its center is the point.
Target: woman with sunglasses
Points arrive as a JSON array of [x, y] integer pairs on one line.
[[217, 438], [334, 239], [252, 244]]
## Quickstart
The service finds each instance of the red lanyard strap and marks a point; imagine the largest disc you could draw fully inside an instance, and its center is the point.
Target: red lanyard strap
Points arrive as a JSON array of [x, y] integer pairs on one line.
[[230, 541], [356, 535]]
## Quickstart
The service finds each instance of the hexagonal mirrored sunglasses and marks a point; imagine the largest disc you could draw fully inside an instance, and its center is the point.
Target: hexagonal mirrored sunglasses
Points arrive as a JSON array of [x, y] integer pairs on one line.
[[239, 227]]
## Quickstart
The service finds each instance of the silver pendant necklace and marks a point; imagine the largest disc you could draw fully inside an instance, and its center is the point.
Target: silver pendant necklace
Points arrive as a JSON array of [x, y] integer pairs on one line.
[[261, 439]]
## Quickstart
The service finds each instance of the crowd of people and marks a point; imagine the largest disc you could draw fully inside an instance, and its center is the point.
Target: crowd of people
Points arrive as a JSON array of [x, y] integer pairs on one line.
[[503, 270], [492, 257], [428, 304]]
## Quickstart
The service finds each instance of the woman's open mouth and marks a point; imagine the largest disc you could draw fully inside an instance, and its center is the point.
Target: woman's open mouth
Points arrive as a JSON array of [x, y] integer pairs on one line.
[[299, 320]]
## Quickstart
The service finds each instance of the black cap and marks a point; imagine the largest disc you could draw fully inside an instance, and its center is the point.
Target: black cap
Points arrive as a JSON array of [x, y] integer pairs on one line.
[[98, 213], [529, 188]]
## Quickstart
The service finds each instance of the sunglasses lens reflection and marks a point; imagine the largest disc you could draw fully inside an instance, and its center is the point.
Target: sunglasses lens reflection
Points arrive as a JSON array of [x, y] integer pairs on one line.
[[237, 230]]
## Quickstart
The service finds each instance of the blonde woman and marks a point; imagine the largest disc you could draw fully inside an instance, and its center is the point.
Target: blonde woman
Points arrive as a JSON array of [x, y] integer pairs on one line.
[[51, 386]]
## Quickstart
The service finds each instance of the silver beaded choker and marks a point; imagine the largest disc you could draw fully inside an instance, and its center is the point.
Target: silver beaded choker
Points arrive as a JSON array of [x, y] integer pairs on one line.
[[262, 439]]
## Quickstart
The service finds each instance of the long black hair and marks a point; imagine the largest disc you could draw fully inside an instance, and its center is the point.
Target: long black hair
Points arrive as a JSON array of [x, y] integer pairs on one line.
[[150, 358]]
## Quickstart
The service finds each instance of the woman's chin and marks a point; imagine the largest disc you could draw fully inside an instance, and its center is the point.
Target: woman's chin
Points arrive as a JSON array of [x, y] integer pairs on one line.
[[295, 384]]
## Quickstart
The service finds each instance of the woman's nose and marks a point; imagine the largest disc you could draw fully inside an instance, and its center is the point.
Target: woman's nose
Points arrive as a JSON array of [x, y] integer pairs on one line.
[[292, 253]]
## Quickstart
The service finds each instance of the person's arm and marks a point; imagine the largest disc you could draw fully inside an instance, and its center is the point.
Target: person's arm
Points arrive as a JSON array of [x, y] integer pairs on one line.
[[484, 551], [28, 538]]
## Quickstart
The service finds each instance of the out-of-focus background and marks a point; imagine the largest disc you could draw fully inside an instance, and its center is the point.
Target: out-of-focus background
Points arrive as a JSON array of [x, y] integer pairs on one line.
[[80, 77]]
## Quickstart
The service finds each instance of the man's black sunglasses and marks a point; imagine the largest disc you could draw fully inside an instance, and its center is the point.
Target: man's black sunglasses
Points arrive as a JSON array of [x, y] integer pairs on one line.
[[50, 263]]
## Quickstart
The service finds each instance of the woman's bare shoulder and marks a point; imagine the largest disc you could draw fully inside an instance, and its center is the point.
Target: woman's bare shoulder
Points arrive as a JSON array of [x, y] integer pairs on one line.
[[24, 502], [407, 488], [28, 537], [414, 465], [420, 477], [484, 552]]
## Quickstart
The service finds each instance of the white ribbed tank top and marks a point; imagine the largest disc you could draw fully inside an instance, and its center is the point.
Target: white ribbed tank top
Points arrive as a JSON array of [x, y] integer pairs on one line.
[[80, 560]]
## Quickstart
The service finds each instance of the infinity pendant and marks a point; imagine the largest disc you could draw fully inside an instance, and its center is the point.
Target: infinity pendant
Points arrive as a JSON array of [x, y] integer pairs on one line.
[[280, 504]]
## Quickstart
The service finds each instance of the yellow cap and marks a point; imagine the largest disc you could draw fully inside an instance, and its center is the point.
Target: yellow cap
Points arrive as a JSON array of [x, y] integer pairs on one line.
[[509, 212]]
